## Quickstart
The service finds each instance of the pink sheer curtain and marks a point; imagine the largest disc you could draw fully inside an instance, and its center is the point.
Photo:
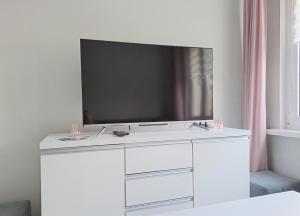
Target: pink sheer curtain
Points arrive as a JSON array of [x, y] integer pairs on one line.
[[255, 80]]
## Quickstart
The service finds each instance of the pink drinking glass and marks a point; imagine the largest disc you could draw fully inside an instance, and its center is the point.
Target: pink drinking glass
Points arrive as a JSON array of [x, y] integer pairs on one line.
[[76, 129], [218, 123]]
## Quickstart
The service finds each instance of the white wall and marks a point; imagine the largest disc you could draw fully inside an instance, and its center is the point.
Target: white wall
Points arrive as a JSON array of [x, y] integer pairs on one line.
[[284, 155], [40, 90]]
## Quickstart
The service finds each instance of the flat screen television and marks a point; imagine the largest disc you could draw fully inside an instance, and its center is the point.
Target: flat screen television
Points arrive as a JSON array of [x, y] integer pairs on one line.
[[130, 82]]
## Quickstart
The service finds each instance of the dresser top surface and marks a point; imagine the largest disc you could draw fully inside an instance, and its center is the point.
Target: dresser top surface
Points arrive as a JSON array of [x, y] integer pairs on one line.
[[53, 141]]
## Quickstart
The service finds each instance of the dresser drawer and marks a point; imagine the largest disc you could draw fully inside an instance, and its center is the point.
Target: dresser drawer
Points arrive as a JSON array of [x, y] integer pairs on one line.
[[158, 157], [157, 188], [161, 208]]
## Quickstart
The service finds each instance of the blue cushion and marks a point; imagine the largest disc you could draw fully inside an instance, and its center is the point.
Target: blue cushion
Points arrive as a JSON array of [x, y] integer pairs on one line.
[[21, 208], [268, 182]]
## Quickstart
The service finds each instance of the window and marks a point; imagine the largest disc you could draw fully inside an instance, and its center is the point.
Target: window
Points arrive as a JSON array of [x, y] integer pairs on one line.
[[298, 78], [292, 64]]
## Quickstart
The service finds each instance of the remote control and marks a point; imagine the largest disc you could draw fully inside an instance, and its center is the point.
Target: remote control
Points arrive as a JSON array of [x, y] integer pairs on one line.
[[121, 133]]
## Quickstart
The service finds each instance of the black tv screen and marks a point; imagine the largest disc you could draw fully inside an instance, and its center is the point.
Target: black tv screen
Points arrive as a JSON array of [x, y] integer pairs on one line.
[[129, 82]]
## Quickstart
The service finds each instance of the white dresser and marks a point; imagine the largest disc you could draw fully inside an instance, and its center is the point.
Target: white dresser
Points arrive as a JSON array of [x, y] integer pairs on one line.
[[144, 173]]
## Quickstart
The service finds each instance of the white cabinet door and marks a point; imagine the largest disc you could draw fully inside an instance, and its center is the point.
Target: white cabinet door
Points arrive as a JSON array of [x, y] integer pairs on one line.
[[221, 171], [83, 183]]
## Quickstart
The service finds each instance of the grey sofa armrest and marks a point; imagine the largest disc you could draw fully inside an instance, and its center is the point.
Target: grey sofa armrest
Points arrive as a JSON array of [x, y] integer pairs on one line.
[[20, 208]]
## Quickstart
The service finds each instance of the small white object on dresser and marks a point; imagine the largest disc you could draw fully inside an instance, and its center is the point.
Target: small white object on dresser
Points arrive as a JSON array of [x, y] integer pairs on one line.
[[145, 173]]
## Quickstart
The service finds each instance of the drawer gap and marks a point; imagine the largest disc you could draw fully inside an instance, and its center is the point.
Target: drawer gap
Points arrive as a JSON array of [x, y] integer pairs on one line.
[[158, 173], [158, 204]]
